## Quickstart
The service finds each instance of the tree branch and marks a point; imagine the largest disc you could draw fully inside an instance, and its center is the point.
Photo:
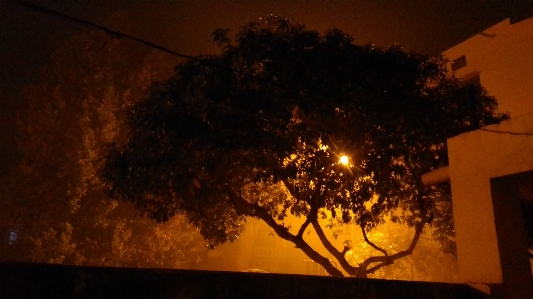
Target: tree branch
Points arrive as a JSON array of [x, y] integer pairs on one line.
[[255, 210], [312, 213], [312, 216], [319, 180], [289, 187], [387, 260], [339, 256], [336, 253], [372, 244]]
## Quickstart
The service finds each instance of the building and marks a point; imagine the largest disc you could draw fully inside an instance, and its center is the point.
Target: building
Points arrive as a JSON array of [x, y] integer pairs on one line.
[[501, 57], [491, 169]]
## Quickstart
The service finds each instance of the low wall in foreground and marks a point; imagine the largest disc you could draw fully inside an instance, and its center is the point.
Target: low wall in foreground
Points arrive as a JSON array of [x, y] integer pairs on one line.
[[27, 280]]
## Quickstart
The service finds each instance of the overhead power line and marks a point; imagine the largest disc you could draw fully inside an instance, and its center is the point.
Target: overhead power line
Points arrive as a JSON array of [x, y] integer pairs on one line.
[[507, 132], [118, 34], [84, 8], [107, 30]]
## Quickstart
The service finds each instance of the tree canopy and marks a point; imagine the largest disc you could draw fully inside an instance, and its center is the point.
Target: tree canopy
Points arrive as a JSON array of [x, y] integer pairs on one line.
[[54, 200], [259, 130]]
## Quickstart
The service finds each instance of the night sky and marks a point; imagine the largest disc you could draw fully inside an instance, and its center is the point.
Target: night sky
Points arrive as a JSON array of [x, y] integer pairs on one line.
[[27, 37]]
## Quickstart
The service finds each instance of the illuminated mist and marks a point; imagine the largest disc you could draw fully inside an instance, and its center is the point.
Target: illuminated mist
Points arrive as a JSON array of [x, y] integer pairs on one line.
[[259, 248]]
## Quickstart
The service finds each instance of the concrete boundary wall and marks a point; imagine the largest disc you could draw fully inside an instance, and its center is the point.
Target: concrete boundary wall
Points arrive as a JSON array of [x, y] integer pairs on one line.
[[25, 280]]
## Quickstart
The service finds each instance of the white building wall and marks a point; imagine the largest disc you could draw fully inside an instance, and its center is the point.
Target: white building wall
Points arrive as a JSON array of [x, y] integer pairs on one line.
[[475, 158], [503, 54]]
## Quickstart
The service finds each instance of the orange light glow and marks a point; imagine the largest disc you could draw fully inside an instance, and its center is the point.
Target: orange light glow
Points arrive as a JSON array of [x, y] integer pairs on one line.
[[344, 160]]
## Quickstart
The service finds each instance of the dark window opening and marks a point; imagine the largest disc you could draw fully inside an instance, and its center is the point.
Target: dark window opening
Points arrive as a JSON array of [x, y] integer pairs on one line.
[[459, 63]]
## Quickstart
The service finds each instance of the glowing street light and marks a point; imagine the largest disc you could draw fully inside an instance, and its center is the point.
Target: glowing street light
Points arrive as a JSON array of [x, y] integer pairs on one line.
[[344, 160]]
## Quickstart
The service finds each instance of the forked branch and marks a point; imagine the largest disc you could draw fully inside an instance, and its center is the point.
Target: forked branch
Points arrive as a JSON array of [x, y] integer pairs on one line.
[[313, 213], [387, 260], [339, 256], [250, 209]]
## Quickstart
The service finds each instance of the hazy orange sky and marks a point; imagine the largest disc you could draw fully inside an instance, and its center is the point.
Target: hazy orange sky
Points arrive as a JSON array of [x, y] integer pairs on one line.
[[26, 36]]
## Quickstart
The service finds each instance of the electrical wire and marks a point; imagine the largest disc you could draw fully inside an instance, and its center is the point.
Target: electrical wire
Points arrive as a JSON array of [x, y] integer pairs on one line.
[[107, 30], [118, 34], [84, 8], [507, 132]]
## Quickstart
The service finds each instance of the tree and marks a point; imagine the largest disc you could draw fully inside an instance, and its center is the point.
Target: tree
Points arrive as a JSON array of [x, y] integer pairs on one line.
[[259, 130], [55, 200]]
